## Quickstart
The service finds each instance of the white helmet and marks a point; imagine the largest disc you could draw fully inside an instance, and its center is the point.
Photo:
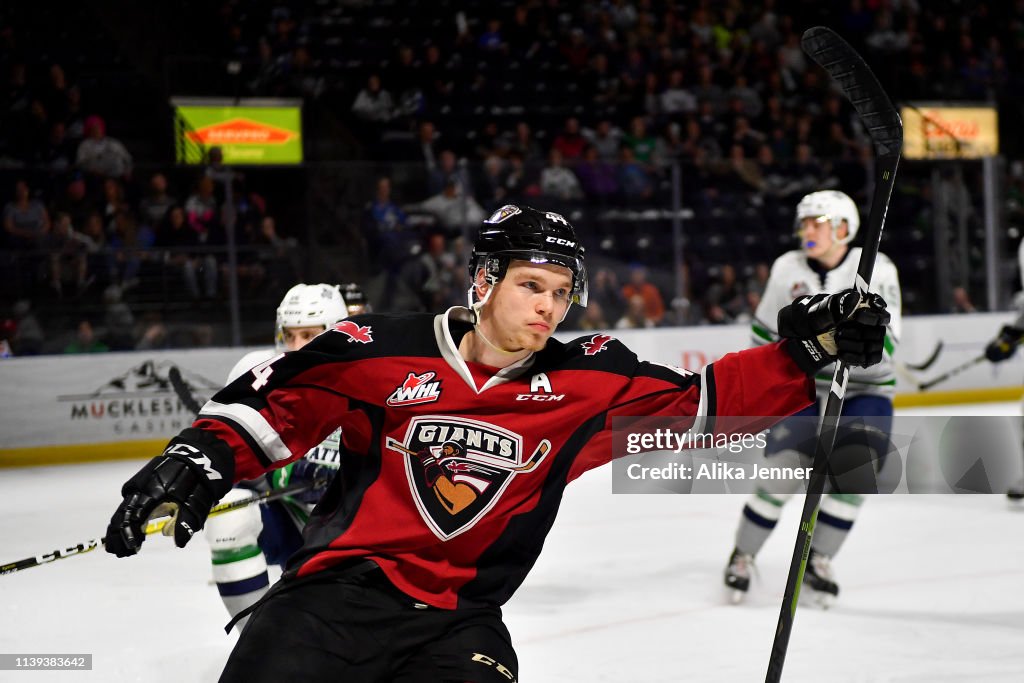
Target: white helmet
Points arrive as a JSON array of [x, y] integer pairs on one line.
[[834, 205], [308, 306]]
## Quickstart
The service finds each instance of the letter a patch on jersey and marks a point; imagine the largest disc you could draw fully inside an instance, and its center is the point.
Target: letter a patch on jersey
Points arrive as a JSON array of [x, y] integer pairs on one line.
[[356, 333], [416, 390], [596, 344]]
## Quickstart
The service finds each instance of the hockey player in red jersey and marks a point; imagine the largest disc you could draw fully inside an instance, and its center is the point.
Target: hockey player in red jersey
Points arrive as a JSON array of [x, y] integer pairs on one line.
[[450, 480]]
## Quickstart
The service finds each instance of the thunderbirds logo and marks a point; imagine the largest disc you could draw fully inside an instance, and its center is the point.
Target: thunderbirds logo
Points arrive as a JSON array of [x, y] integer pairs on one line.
[[416, 390], [458, 468], [356, 333], [596, 344]]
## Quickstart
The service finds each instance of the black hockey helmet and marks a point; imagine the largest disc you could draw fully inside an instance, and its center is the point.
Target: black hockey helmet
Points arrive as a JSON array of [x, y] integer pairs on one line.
[[355, 299], [522, 233]]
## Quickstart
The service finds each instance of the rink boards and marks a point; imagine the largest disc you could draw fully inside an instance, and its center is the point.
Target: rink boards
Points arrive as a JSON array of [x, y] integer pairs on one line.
[[80, 408]]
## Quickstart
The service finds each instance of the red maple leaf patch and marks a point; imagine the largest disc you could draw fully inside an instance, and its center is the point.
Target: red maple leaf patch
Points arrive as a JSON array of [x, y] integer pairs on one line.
[[596, 344], [356, 333]]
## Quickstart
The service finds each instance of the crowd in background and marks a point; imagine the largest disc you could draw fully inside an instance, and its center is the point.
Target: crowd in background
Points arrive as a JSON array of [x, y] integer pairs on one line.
[[584, 108]]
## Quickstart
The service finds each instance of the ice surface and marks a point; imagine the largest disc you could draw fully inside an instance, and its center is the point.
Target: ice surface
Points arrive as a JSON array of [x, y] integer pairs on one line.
[[628, 589]]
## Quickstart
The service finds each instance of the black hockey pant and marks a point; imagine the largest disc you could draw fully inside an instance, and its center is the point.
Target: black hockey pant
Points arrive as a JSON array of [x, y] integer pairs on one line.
[[362, 629]]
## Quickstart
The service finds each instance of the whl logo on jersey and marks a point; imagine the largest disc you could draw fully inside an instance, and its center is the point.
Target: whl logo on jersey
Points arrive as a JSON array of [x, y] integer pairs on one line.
[[458, 468], [416, 390]]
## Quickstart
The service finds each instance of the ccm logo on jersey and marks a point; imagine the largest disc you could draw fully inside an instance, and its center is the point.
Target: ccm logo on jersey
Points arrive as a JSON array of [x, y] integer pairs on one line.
[[540, 383], [415, 390], [356, 333], [596, 344]]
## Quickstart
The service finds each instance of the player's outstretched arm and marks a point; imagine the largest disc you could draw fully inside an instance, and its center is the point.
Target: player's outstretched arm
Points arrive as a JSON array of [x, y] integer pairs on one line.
[[192, 474], [826, 327]]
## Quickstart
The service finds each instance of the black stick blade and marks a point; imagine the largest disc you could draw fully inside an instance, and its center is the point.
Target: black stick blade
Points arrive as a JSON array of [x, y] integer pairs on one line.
[[860, 86]]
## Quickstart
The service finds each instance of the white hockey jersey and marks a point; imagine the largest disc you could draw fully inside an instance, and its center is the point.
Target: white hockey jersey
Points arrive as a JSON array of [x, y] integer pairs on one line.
[[793, 276]]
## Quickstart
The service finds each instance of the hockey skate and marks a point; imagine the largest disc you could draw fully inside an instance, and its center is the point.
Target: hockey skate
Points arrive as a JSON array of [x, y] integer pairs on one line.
[[1015, 494], [737, 575], [819, 585]]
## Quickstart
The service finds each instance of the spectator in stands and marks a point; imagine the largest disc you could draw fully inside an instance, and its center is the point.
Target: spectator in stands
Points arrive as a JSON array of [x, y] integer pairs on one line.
[[635, 316], [75, 201], [100, 260], [85, 340], [29, 338], [155, 205], [558, 182], [634, 180], [593, 318], [26, 220], [493, 193], [385, 226], [598, 178], [454, 210], [746, 97], [570, 142], [640, 141], [449, 169], [520, 180], [101, 155], [181, 240], [676, 98], [373, 103], [605, 289], [113, 203], [638, 285], [68, 257], [154, 333], [58, 152], [490, 40], [525, 145], [606, 138], [202, 212], [725, 301], [434, 275], [118, 320]]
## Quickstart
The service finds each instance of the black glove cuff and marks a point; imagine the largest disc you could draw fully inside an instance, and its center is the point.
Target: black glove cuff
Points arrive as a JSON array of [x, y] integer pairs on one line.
[[208, 456], [807, 355]]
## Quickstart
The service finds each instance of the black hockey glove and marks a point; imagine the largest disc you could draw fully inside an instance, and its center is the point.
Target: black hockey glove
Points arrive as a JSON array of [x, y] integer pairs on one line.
[[826, 327], [1005, 345], [193, 473]]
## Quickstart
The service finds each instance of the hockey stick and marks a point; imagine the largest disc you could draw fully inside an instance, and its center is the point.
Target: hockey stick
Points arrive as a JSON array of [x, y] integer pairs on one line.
[[951, 373], [182, 390], [883, 124], [157, 525], [534, 460], [924, 365]]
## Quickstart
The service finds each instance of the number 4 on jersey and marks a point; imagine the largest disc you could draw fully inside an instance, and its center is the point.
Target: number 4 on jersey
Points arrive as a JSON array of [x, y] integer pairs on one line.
[[263, 371]]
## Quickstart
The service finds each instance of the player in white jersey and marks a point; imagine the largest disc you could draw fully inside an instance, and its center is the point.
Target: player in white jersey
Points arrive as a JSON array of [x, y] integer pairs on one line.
[[1003, 347], [243, 542], [827, 222]]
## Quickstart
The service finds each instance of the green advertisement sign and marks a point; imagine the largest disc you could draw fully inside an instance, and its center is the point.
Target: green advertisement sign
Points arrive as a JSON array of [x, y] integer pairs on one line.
[[248, 135]]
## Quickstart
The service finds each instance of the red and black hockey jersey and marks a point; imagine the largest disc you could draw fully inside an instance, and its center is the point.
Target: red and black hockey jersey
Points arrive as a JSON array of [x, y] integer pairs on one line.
[[461, 525]]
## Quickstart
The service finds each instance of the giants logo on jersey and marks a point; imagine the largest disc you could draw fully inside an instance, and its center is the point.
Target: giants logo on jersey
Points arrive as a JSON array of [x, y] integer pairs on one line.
[[415, 390], [458, 468], [356, 333], [596, 344]]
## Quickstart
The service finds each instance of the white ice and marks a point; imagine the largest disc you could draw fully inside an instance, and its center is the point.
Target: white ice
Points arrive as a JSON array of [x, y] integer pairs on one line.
[[628, 589]]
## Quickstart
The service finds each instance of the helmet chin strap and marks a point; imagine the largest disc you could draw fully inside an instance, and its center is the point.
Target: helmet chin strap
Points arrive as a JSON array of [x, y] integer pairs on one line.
[[476, 307]]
